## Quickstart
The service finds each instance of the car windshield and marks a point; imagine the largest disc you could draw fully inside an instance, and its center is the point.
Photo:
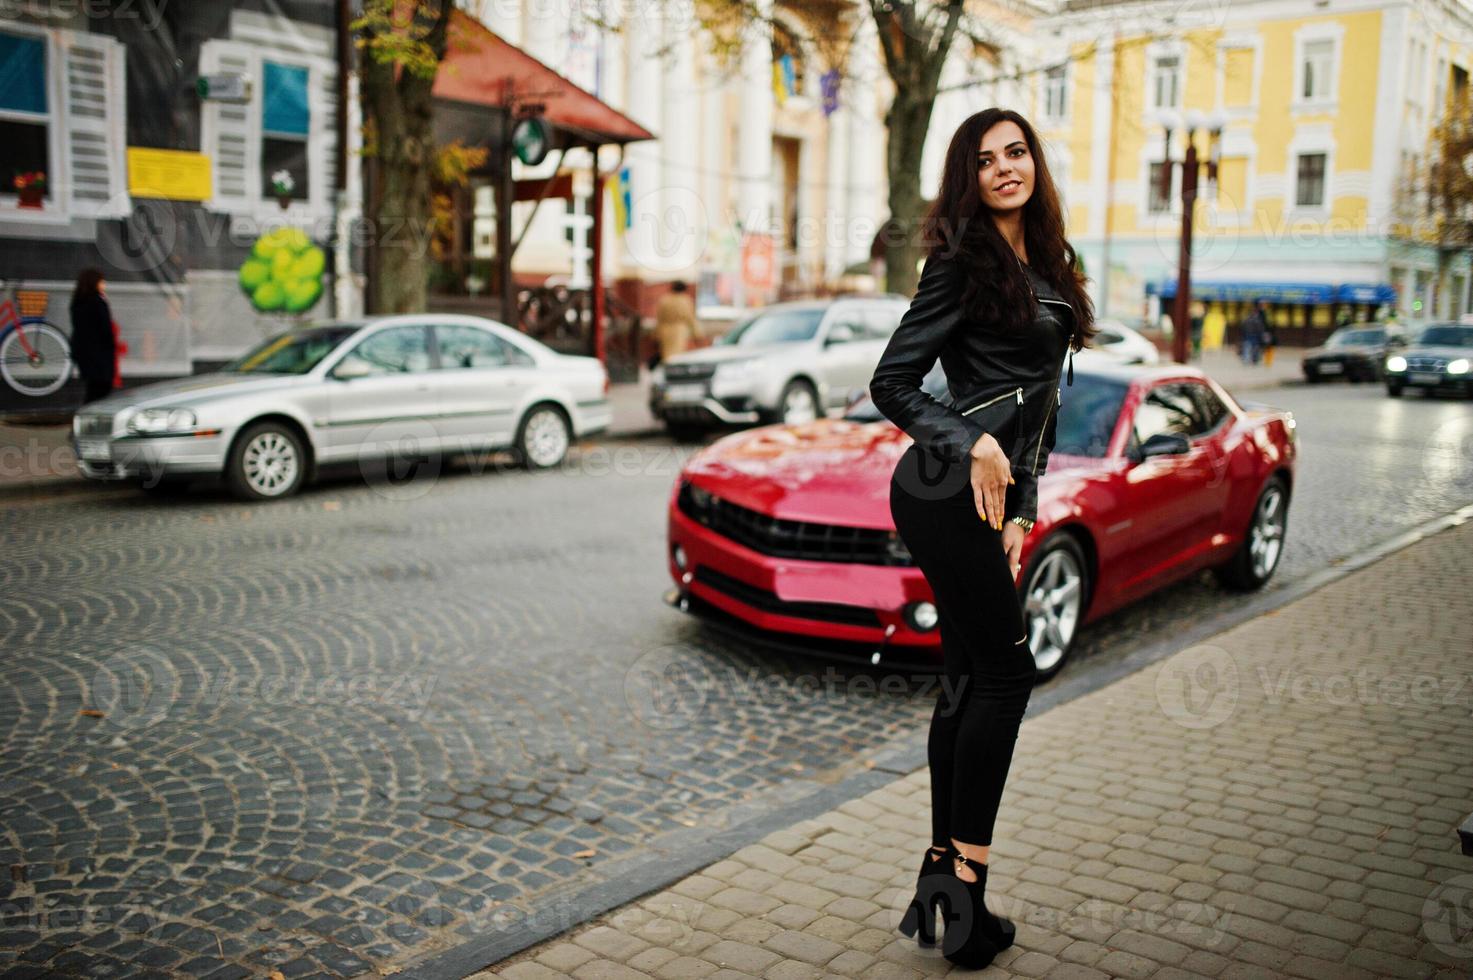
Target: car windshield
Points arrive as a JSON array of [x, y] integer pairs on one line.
[[1086, 418], [1446, 335], [293, 352], [775, 327], [1348, 338]]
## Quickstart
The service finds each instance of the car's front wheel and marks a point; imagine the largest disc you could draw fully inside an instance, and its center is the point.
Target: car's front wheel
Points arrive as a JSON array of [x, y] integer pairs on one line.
[[267, 462], [798, 403], [1055, 586], [1394, 390], [1263, 543], [543, 437]]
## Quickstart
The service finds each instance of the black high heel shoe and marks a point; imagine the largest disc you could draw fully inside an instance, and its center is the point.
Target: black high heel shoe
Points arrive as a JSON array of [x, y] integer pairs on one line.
[[920, 915], [974, 936]]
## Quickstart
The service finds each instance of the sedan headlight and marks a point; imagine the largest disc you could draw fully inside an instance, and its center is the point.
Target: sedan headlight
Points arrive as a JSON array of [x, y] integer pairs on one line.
[[1396, 363], [1459, 366], [736, 370], [151, 421]]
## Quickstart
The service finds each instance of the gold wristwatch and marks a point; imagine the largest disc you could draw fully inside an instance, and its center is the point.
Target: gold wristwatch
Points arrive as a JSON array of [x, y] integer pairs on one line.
[[1024, 523]]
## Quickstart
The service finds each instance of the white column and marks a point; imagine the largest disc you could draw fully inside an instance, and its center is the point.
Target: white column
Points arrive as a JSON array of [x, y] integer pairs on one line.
[[683, 214], [836, 230], [867, 141], [645, 105], [754, 138]]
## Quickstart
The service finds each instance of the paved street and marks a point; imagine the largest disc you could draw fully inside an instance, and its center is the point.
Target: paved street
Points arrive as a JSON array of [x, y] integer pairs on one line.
[[345, 732], [1279, 801]]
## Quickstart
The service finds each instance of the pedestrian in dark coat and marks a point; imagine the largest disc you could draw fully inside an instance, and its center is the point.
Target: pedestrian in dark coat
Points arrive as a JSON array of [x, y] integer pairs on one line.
[[94, 348]]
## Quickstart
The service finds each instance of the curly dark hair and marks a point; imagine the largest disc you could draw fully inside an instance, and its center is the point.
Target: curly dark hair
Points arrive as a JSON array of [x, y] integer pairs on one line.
[[958, 224]]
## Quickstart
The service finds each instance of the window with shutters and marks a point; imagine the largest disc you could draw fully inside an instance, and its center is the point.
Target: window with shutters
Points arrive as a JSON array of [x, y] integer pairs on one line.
[[286, 123], [62, 114]]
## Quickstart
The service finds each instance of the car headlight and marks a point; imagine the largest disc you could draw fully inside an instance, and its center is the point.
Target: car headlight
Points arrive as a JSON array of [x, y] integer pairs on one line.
[[657, 376], [155, 420], [736, 370], [1459, 366], [1396, 363]]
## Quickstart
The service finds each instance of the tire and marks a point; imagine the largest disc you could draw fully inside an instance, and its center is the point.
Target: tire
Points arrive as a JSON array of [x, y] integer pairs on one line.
[[1054, 592], [685, 431], [543, 437], [166, 488], [267, 462], [796, 394], [1311, 377], [1254, 562], [1393, 390]]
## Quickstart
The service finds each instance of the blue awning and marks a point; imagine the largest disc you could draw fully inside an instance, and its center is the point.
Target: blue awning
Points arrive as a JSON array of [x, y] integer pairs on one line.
[[1279, 292]]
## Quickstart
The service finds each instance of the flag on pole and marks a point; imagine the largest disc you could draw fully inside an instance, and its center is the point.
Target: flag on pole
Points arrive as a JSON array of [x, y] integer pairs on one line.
[[829, 83], [619, 188], [783, 81]]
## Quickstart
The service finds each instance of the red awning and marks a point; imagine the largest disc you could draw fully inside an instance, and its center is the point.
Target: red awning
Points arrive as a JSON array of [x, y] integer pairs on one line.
[[481, 68]]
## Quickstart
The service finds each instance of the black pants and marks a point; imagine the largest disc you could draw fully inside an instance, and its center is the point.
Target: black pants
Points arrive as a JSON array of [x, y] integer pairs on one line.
[[989, 668]]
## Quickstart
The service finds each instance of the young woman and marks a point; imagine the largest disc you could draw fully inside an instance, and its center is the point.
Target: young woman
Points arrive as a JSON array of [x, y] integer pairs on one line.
[[999, 302], [94, 347]]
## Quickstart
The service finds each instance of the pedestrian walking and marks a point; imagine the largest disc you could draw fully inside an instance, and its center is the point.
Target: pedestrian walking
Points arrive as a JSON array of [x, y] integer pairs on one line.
[[676, 326], [1270, 339], [999, 302], [94, 348], [1253, 326]]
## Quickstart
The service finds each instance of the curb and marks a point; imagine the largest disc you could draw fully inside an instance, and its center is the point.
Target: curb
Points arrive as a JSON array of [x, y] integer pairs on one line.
[[672, 857]]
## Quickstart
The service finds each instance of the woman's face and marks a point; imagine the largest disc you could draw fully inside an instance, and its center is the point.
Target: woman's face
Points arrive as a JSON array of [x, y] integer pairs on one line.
[[1004, 167]]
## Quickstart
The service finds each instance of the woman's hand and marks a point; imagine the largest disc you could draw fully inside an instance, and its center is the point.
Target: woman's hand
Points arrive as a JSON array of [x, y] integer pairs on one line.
[[990, 478], [1012, 545]]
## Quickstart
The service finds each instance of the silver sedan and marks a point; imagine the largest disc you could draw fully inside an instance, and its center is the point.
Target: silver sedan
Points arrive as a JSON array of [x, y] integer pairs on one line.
[[347, 392]]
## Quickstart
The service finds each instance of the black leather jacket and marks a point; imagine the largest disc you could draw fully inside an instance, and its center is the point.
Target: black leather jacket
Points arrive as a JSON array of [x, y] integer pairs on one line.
[[1001, 380]]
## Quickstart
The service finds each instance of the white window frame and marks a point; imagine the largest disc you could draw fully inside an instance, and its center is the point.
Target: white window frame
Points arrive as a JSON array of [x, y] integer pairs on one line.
[[321, 133], [1334, 33], [60, 206], [1316, 138], [1064, 78], [1299, 157], [1154, 73]]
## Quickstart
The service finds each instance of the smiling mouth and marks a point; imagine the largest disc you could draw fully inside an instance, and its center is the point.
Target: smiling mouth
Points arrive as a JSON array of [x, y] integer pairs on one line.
[[1007, 185]]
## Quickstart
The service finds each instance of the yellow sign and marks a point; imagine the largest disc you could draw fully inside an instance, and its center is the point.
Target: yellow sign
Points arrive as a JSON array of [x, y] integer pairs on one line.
[[173, 175]]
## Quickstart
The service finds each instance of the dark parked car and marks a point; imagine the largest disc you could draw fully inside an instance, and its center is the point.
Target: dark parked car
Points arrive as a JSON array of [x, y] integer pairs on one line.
[[1436, 360], [1355, 353]]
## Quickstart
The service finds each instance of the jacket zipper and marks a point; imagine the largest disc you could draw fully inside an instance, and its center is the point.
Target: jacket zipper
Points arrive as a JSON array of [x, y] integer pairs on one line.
[[1016, 391], [1041, 432]]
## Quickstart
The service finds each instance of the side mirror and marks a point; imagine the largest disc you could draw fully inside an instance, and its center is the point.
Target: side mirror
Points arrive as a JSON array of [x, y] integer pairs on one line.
[[1164, 444], [350, 369], [839, 333]]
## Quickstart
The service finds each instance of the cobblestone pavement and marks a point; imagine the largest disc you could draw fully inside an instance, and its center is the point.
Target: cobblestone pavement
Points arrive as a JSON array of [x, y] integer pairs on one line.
[[1281, 800], [339, 733]]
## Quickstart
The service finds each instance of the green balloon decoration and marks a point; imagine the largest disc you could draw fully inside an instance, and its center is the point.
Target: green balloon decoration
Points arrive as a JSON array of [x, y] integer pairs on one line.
[[284, 272]]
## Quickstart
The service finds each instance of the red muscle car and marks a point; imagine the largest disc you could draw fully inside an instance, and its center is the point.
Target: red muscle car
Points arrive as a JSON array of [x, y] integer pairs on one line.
[[1157, 472]]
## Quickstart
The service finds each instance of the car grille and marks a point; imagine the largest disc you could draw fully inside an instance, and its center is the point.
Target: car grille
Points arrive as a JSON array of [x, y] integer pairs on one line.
[[94, 425], [759, 598], [1426, 362], [689, 372], [795, 539]]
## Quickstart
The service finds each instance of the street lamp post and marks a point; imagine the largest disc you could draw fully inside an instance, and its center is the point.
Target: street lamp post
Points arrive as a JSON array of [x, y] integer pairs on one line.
[[1190, 167]]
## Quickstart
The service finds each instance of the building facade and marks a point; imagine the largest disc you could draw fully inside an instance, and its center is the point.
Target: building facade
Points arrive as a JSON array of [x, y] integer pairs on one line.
[[1326, 116], [165, 183]]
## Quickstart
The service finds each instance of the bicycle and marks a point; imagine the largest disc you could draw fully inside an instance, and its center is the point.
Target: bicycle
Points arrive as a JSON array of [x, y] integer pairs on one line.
[[35, 355]]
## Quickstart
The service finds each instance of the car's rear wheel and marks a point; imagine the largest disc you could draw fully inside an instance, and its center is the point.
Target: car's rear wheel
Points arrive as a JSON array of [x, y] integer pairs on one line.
[[1263, 542], [543, 437], [798, 404], [1055, 587], [266, 463]]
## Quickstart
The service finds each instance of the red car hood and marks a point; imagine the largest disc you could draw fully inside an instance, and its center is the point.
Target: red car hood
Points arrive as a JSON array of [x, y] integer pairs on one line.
[[831, 471]]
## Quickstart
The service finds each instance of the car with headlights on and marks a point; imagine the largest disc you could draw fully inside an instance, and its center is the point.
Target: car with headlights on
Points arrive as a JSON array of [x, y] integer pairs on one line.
[[1437, 359], [789, 362], [1355, 352], [347, 392], [1157, 473]]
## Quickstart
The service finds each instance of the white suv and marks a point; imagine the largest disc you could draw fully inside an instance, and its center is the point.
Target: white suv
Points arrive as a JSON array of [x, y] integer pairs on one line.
[[790, 362]]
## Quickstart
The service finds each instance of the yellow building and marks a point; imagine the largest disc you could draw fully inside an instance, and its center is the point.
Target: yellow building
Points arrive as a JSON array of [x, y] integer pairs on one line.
[[1325, 116]]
